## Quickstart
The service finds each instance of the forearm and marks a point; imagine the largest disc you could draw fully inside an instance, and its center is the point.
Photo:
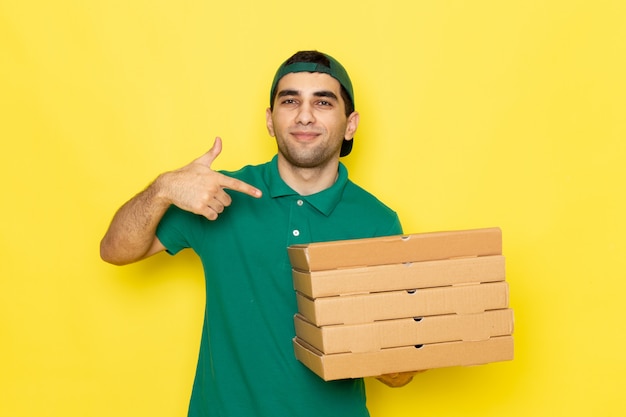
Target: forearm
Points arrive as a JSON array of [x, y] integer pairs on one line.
[[131, 235]]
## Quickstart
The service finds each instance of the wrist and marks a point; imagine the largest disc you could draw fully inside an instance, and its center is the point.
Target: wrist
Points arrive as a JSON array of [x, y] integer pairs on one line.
[[159, 190]]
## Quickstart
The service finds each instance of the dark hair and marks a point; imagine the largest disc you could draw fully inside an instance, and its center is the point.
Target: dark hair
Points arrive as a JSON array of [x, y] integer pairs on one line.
[[317, 58]]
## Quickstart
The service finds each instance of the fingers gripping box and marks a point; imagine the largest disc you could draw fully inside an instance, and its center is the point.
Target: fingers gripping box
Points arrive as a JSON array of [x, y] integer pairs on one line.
[[368, 307]]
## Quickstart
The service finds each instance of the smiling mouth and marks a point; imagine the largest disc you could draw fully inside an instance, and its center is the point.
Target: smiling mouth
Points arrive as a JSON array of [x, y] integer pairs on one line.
[[305, 136]]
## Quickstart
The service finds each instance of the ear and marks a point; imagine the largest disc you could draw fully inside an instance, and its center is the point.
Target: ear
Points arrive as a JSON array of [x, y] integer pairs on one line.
[[269, 122], [351, 126]]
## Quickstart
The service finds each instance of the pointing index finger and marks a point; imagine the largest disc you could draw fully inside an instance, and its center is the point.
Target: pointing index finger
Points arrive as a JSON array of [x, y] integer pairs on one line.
[[241, 186]]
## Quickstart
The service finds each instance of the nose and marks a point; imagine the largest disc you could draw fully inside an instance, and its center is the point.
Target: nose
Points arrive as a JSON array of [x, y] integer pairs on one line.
[[305, 115]]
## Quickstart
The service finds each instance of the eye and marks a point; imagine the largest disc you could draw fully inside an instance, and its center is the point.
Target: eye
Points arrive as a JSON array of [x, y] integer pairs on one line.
[[289, 103], [324, 103]]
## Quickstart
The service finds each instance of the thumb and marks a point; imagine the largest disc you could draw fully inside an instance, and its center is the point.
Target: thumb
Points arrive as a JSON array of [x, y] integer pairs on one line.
[[208, 158]]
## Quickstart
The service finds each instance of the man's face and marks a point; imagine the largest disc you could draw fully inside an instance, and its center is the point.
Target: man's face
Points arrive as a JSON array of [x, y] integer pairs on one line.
[[309, 120]]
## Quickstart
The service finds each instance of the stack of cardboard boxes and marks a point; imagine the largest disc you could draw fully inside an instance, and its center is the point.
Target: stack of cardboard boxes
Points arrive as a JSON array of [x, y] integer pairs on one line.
[[369, 307]]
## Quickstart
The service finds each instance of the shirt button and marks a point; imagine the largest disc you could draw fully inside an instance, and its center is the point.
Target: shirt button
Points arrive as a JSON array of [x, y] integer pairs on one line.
[[300, 202], [296, 233]]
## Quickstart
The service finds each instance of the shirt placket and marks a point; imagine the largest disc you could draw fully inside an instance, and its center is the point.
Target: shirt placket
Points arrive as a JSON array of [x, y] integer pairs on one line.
[[299, 230]]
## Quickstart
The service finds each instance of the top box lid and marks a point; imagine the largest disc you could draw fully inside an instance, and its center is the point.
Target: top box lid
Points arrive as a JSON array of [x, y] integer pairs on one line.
[[396, 249]]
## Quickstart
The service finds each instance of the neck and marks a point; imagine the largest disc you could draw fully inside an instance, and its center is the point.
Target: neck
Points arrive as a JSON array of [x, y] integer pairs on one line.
[[308, 181]]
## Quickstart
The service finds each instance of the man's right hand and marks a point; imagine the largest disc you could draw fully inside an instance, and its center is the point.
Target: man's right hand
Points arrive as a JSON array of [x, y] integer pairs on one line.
[[195, 187], [199, 189]]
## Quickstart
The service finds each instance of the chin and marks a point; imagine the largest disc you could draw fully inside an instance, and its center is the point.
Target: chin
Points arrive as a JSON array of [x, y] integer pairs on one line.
[[308, 158]]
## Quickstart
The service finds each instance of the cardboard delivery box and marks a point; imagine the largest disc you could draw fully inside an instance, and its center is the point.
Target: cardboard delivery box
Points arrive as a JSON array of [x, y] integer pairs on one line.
[[371, 337], [404, 276], [396, 249], [403, 359], [366, 308]]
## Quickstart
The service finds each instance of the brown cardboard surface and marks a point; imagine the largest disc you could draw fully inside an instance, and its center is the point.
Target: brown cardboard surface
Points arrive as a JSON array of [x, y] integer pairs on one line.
[[396, 249], [370, 337], [412, 275], [403, 359], [366, 308]]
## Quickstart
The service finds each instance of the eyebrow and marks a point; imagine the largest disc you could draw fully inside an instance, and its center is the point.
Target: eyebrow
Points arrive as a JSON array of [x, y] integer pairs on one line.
[[325, 93], [322, 93], [284, 93]]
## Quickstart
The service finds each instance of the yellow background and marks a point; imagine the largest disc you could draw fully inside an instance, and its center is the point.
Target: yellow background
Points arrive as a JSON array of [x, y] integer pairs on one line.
[[474, 114]]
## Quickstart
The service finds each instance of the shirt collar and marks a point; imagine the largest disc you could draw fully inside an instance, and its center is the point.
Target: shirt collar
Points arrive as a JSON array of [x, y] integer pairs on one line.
[[325, 201]]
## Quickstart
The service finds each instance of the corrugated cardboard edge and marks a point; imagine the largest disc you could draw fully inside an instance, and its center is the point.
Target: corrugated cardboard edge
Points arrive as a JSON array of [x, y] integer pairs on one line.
[[371, 337], [403, 359], [396, 249], [405, 276]]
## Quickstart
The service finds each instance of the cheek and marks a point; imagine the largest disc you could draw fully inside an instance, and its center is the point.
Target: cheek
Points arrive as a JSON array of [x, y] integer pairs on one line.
[[278, 121], [337, 127]]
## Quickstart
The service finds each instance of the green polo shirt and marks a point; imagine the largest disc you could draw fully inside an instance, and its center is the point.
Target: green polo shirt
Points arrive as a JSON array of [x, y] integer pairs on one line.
[[246, 365]]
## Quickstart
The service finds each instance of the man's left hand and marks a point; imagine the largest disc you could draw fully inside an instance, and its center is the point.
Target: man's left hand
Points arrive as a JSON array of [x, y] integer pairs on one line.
[[398, 379]]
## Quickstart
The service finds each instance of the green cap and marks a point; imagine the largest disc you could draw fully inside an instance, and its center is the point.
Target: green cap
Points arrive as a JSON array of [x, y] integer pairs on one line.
[[335, 70]]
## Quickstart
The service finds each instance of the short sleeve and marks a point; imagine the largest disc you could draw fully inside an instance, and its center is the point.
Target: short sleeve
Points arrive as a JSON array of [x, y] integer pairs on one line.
[[176, 229]]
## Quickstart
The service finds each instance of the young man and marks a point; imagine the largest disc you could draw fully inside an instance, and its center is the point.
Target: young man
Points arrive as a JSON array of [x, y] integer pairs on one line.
[[246, 365]]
